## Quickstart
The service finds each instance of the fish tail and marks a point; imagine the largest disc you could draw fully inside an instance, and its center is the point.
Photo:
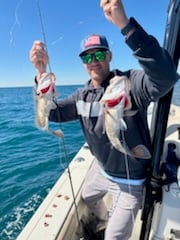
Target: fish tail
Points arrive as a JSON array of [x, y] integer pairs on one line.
[[141, 151], [56, 133]]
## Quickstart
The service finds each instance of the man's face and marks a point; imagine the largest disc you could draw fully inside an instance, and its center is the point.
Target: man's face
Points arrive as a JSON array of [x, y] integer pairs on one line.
[[96, 63]]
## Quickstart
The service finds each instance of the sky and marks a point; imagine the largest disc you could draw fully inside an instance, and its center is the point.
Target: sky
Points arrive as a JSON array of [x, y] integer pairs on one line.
[[64, 24]]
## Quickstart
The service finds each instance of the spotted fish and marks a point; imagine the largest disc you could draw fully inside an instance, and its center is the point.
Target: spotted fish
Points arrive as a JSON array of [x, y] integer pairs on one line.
[[44, 103], [116, 103]]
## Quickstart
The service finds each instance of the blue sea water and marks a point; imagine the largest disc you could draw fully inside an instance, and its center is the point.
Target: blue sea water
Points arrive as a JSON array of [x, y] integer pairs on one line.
[[31, 161]]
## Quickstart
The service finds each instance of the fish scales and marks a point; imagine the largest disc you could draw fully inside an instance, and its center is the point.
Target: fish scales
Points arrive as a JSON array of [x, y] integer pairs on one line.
[[45, 102], [116, 103]]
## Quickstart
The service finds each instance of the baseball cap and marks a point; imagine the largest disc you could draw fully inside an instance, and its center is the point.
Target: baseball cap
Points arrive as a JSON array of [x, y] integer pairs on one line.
[[94, 41]]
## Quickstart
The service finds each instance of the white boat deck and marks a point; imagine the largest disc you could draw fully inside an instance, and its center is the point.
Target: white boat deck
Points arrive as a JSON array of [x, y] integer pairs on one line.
[[53, 212]]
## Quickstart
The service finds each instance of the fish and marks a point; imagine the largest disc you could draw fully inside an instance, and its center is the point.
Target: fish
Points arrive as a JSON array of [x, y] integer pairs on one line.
[[116, 102], [45, 96]]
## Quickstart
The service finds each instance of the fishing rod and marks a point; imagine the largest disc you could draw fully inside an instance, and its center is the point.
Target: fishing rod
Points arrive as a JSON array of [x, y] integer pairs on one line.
[[161, 111], [63, 140], [43, 30]]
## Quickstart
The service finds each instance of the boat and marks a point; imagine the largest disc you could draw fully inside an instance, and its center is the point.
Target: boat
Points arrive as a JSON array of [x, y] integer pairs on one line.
[[64, 216], [60, 218]]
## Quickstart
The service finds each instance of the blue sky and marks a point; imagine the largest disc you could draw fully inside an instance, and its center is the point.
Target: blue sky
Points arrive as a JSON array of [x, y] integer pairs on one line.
[[65, 24]]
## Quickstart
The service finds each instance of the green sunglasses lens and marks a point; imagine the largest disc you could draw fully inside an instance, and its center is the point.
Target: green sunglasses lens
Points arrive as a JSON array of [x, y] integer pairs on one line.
[[99, 56], [87, 58]]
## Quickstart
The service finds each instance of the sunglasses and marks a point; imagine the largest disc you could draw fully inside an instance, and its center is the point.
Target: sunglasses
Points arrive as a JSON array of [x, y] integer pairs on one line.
[[98, 55]]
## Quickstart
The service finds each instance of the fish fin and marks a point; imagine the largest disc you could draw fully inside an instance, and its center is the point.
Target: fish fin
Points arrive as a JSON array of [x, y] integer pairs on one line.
[[130, 112], [123, 125], [141, 151], [50, 105]]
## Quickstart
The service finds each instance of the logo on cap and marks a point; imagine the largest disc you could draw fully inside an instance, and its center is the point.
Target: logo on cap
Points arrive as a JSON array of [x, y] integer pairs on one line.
[[92, 40]]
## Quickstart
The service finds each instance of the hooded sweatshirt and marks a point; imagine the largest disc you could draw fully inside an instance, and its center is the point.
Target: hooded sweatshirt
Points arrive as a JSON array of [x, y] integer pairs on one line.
[[157, 77]]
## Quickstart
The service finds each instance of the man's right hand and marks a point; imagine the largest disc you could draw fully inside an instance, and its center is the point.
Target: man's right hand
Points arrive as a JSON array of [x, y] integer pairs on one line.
[[114, 12], [38, 56]]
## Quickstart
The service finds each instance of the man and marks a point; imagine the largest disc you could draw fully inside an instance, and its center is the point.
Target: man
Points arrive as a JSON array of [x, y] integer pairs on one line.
[[121, 174]]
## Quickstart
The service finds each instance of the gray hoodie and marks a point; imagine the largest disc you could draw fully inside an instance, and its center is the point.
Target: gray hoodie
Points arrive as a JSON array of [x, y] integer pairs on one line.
[[157, 77]]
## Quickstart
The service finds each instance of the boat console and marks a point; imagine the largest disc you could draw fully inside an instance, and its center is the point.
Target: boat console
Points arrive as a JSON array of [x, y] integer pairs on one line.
[[166, 217]]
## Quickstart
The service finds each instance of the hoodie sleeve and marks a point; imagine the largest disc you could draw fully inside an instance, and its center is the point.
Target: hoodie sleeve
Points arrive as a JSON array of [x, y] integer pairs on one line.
[[66, 110], [159, 71]]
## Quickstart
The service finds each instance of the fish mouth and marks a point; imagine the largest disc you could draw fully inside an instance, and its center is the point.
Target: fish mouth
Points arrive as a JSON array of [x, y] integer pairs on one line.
[[45, 90], [113, 102]]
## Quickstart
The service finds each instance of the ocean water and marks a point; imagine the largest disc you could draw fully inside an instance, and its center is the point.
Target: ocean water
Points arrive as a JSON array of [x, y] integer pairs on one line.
[[31, 161]]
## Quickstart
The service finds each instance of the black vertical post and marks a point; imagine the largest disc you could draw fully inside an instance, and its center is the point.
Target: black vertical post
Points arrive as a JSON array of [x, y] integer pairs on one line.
[[153, 187]]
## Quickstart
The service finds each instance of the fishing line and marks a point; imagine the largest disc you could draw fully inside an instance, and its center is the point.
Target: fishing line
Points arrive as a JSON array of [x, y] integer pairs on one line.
[[17, 22], [127, 172], [70, 178], [63, 141]]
